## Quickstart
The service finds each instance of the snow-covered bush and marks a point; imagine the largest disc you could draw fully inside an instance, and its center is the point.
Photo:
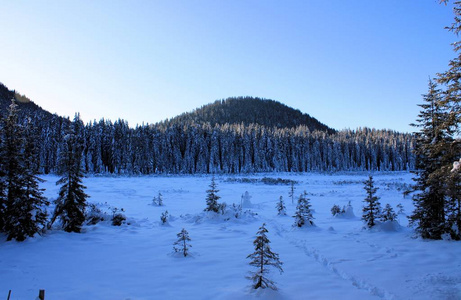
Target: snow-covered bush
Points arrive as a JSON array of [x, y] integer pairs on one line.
[[164, 217], [388, 214], [158, 201], [347, 212], [117, 217], [335, 210]]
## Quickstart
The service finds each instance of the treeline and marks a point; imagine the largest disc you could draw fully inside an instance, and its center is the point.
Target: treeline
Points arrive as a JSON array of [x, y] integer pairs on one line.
[[116, 148]]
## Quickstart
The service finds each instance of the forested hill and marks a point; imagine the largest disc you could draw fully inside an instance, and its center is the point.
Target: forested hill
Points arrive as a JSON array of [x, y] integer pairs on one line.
[[191, 143], [249, 110]]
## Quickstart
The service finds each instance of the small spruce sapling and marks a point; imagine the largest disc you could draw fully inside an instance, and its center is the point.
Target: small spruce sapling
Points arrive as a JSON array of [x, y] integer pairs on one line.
[[303, 214], [182, 245], [212, 197], [281, 209], [335, 210], [164, 217], [400, 210], [372, 208], [261, 258], [158, 201], [388, 214]]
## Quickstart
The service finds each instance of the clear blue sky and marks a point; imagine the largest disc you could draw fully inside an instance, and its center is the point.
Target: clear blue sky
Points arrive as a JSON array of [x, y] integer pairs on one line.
[[347, 63]]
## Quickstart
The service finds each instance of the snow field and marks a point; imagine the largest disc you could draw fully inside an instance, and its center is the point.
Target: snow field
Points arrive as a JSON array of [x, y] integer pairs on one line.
[[337, 259]]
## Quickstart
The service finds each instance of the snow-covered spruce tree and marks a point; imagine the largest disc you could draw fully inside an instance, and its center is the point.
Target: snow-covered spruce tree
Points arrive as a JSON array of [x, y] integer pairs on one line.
[[262, 258], [71, 202], [335, 210], [24, 214], [182, 244], [164, 217], [212, 197], [388, 214], [158, 201], [431, 146], [303, 214], [372, 208], [281, 209]]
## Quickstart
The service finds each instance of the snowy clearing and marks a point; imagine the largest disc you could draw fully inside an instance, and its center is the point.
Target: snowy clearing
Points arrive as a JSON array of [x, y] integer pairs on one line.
[[336, 259]]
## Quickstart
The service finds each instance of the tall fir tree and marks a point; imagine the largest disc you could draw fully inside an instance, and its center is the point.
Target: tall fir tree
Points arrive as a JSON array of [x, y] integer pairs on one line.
[[71, 202], [212, 197], [13, 156], [303, 215], [372, 208], [432, 143], [262, 258]]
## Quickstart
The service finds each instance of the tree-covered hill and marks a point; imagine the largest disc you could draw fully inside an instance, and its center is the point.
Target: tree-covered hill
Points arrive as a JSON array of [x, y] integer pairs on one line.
[[249, 110]]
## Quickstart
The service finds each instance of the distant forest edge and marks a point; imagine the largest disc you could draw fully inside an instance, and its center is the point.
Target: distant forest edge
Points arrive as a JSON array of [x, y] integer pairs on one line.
[[236, 135]]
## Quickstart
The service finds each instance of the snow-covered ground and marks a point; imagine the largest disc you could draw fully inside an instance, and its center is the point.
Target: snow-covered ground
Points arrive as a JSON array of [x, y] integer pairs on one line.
[[337, 259]]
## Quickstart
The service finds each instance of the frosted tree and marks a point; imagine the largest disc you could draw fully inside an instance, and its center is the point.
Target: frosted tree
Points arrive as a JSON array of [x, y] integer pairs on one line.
[[23, 204], [281, 209], [182, 244], [335, 210], [388, 214], [158, 201], [303, 214], [164, 217], [372, 208], [71, 202], [212, 197], [262, 258]]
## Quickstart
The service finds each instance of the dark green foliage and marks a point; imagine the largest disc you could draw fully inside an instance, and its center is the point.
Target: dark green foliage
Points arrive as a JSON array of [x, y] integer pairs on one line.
[[303, 215], [212, 197], [262, 258], [372, 208], [388, 214], [182, 244], [23, 203], [164, 217], [246, 111], [281, 209], [335, 210], [71, 203]]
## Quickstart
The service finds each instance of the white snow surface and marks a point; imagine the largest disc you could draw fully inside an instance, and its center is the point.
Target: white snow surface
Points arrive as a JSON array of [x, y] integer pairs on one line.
[[336, 259]]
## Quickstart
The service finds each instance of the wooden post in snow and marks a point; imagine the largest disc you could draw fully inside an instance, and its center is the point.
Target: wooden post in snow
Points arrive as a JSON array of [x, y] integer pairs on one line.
[[41, 294], [9, 295]]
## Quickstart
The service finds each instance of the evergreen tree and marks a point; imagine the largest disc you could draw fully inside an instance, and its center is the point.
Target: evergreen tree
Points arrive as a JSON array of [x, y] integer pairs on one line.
[[158, 201], [182, 244], [303, 214], [401, 210], [281, 209], [432, 142], [335, 210], [71, 203], [164, 217], [388, 214], [372, 208], [261, 258], [212, 197]]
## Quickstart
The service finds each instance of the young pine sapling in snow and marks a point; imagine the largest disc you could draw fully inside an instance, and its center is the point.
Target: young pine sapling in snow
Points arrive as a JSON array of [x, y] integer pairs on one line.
[[281, 209], [388, 214], [400, 208], [372, 208], [303, 214], [164, 217], [182, 245], [158, 201], [262, 258], [335, 210], [212, 197]]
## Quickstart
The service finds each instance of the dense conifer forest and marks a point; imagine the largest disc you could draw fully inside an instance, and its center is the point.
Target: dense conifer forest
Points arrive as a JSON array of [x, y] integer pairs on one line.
[[219, 138]]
